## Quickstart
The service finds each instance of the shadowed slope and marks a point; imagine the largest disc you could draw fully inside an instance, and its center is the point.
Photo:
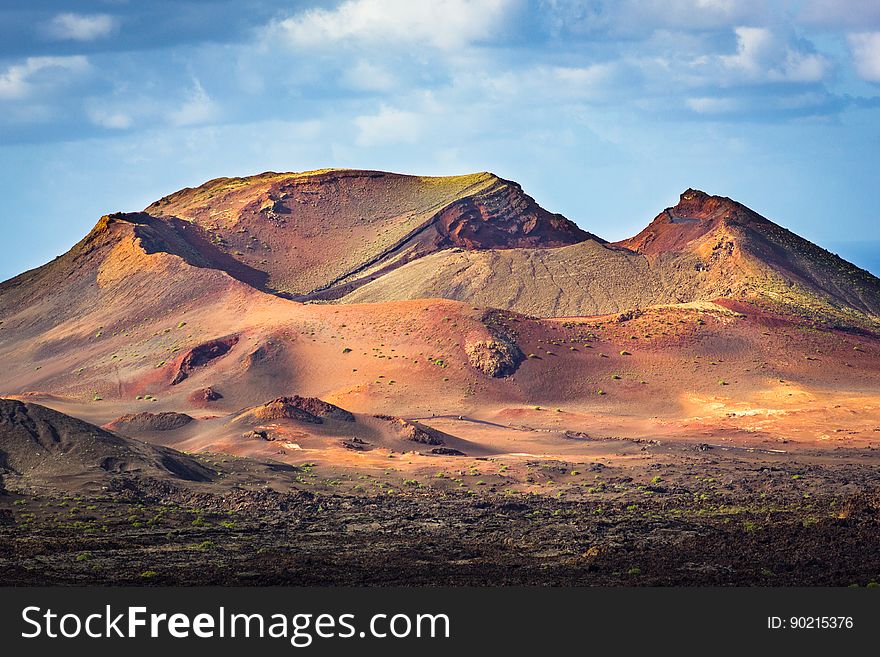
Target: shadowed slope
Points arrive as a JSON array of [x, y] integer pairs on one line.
[[40, 445]]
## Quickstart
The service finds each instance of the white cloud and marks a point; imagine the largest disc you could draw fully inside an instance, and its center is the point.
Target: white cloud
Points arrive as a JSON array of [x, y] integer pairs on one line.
[[369, 77], [865, 48], [389, 126], [198, 108], [446, 24], [762, 56], [108, 118], [125, 109], [21, 80], [708, 105], [586, 79], [541, 84], [81, 27]]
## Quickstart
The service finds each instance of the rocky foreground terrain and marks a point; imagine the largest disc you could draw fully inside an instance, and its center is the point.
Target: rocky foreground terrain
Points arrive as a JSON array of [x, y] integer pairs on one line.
[[704, 518]]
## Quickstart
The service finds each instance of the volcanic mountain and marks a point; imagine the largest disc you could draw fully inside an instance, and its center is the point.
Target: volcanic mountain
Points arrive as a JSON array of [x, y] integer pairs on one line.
[[704, 248], [429, 301], [268, 374], [318, 234]]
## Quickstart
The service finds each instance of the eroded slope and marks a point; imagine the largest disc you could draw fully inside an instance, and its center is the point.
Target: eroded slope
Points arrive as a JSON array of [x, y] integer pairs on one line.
[[319, 234]]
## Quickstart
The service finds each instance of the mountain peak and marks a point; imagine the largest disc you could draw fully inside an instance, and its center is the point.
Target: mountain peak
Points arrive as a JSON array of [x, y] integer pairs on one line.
[[320, 233], [696, 215], [698, 204]]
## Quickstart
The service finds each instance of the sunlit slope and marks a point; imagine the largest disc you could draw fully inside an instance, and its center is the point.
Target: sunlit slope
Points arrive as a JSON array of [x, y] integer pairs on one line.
[[704, 248], [322, 233]]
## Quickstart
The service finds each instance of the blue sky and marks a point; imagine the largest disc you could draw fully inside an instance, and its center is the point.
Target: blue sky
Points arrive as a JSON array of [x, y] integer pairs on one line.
[[603, 110]]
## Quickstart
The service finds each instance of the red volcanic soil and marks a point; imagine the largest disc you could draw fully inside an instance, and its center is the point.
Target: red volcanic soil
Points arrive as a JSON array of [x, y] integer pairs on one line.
[[696, 214], [304, 409], [756, 258], [202, 355], [142, 317], [309, 234]]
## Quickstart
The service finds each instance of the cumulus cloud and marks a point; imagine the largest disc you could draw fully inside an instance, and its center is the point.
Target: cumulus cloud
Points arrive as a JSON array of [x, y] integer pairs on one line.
[[109, 118], [710, 105], [81, 27], [22, 80], [198, 108], [762, 56], [445, 24], [865, 48], [389, 126], [369, 77]]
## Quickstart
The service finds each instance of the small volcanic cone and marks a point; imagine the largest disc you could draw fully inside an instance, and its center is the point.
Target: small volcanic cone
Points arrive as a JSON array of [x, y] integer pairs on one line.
[[303, 409]]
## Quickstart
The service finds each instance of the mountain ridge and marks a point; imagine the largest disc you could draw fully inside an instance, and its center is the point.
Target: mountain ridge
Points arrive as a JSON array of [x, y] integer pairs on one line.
[[284, 225], [475, 238]]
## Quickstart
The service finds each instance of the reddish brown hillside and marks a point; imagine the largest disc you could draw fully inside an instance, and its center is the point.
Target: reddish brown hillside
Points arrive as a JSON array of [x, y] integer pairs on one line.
[[756, 257], [321, 233], [696, 215]]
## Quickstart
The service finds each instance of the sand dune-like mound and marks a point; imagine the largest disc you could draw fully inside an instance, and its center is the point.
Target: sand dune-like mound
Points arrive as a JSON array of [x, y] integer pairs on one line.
[[302, 409], [414, 431], [39, 445], [140, 422], [588, 278]]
